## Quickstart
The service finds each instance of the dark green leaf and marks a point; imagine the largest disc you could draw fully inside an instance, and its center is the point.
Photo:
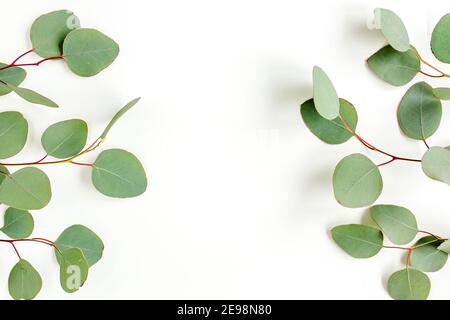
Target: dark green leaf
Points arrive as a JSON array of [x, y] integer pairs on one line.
[[436, 164], [14, 76]]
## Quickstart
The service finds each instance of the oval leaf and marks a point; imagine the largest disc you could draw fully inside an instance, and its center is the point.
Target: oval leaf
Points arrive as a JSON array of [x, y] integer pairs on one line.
[[24, 281], [420, 112], [427, 257], [14, 76], [409, 284], [49, 31], [325, 97], [18, 223], [65, 139], [330, 131], [13, 133], [357, 181], [358, 240], [392, 28], [118, 173], [394, 67], [442, 93], [32, 96], [74, 270], [397, 223], [436, 164], [26, 189], [440, 39], [88, 51], [81, 237]]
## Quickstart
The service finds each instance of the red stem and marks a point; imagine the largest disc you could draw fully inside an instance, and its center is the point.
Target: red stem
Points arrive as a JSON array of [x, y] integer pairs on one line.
[[15, 64]]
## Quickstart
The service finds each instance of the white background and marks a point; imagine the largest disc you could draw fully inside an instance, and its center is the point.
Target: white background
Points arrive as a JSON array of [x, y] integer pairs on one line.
[[240, 200]]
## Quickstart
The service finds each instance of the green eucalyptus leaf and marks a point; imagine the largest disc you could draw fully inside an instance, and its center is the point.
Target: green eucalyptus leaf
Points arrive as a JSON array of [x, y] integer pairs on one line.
[[392, 28], [445, 246], [420, 112], [436, 164], [24, 281], [74, 270], [357, 181], [3, 174], [358, 240], [18, 223], [88, 51], [118, 173], [326, 99], [440, 39], [442, 93], [26, 189], [409, 284], [32, 96], [330, 131], [49, 31], [395, 67], [427, 257], [81, 237], [118, 115], [65, 139], [14, 76], [397, 223], [13, 133]]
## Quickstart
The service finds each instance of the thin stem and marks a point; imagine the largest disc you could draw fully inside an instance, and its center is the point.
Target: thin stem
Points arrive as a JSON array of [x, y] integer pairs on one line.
[[442, 73], [394, 247], [15, 249], [37, 240], [426, 144], [428, 233], [15, 64]]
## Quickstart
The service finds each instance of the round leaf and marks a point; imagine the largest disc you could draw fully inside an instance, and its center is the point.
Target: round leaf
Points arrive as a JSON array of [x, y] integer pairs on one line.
[[65, 139], [74, 270], [24, 281], [78, 236], [392, 28], [440, 39], [427, 257], [357, 181], [49, 31], [420, 112], [119, 174], [357, 240], [436, 164], [14, 76], [88, 51], [409, 284], [13, 133], [18, 223], [330, 131], [325, 97], [397, 223], [26, 189], [442, 93], [394, 67]]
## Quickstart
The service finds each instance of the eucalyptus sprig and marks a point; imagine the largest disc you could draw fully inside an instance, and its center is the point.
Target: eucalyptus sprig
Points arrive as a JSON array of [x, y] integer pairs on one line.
[[357, 180], [115, 173]]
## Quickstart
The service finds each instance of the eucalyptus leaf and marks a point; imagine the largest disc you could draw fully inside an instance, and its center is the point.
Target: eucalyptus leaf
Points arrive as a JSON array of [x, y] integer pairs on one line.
[[65, 139], [397, 223], [13, 133], [88, 51], [81, 237], [74, 270], [358, 240], [440, 39], [26, 189], [392, 28], [420, 112], [3, 174], [32, 96], [409, 284], [357, 181], [49, 31], [118, 115], [442, 93], [395, 67], [18, 223], [445, 246], [330, 131], [326, 99], [14, 76], [427, 257], [24, 281], [118, 173], [436, 164]]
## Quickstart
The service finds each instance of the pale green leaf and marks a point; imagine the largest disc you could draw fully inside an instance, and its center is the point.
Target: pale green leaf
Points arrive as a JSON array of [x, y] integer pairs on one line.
[[440, 39], [74, 269], [357, 240], [442, 93], [392, 28], [326, 99], [436, 164], [409, 284]]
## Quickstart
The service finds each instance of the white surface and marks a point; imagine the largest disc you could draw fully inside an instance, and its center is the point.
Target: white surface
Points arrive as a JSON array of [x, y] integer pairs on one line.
[[240, 199]]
